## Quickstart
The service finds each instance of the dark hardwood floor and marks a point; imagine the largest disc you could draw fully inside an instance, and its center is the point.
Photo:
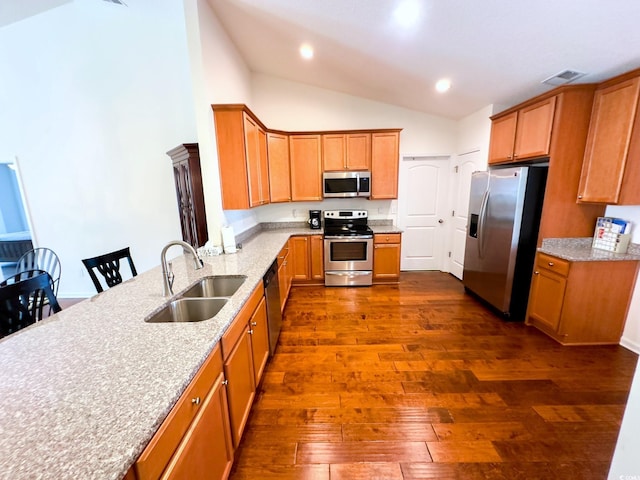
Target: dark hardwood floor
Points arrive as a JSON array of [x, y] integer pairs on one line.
[[420, 381]]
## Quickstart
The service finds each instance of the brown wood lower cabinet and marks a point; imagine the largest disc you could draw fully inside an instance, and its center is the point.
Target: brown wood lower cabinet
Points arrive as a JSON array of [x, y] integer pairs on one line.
[[284, 275], [199, 436], [307, 257], [195, 436], [206, 450], [386, 257], [580, 303]]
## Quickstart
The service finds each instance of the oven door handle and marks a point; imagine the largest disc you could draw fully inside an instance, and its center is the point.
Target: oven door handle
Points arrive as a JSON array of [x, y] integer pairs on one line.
[[349, 273], [348, 237]]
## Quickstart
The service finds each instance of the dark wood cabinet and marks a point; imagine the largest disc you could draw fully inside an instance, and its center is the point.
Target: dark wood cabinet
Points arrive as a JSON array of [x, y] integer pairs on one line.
[[188, 182]]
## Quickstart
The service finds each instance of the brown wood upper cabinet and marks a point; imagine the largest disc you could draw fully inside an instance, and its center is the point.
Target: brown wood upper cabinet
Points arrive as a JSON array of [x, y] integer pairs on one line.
[[385, 160], [279, 170], [350, 151], [611, 168], [306, 167], [523, 134], [242, 157]]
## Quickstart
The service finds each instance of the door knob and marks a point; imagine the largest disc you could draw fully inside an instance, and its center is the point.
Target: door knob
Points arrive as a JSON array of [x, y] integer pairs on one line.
[[441, 221]]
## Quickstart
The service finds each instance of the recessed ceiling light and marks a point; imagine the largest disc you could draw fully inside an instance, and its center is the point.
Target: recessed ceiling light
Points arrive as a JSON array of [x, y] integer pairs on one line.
[[407, 13], [443, 85], [306, 51]]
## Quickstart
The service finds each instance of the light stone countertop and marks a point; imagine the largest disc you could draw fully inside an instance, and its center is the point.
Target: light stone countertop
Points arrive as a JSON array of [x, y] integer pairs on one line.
[[84, 391], [579, 250]]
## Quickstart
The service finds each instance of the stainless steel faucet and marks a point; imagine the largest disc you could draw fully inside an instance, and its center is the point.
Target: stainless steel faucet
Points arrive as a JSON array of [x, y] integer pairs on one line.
[[167, 271]]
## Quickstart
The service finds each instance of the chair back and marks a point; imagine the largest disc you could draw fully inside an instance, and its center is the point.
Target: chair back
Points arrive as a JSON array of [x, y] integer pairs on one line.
[[108, 265], [41, 259], [21, 302]]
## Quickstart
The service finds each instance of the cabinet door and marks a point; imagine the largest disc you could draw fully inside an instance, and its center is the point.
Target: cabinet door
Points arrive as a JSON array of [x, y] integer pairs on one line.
[[252, 158], [206, 450], [533, 133], [384, 165], [279, 172], [358, 151], [317, 257], [299, 256], [334, 152], [232, 164], [259, 340], [546, 298], [238, 370], [187, 217], [306, 167], [386, 261], [610, 131], [503, 134], [263, 167]]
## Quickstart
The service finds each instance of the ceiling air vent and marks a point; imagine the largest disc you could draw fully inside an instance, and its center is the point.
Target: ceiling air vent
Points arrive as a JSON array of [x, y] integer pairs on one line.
[[563, 77], [117, 2]]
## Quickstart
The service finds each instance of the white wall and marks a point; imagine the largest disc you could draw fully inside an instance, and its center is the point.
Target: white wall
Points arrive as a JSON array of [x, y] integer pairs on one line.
[[474, 132], [93, 95], [219, 75]]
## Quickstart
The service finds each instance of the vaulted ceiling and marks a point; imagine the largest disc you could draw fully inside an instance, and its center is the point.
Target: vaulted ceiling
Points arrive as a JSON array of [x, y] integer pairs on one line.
[[493, 51]]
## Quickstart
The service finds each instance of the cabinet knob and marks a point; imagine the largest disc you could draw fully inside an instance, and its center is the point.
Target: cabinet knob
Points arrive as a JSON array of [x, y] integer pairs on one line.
[[195, 401], [225, 382], [536, 273], [253, 324], [250, 332], [551, 264], [579, 197]]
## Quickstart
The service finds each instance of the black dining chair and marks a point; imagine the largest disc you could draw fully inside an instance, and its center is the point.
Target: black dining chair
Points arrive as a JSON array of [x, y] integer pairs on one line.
[[22, 301], [108, 265], [41, 259]]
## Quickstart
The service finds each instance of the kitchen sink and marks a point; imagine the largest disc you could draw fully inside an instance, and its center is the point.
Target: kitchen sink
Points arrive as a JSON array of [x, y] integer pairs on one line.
[[215, 286], [188, 310]]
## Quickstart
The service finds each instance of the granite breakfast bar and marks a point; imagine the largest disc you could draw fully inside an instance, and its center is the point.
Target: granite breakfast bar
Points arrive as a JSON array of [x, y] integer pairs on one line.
[[85, 390]]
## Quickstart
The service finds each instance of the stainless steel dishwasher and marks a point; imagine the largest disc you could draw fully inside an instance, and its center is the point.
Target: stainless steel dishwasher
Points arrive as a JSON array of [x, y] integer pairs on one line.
[[272, 297]]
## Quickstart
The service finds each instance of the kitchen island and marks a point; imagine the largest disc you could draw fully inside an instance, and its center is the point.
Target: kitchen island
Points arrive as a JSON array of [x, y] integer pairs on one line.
[[85, 390]]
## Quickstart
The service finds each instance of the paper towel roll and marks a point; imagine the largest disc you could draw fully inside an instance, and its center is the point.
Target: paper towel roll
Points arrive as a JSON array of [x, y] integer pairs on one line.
[[228, 239]]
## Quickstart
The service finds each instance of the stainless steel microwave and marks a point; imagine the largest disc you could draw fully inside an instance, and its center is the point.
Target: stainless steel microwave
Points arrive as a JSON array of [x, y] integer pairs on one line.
[[346, 184]]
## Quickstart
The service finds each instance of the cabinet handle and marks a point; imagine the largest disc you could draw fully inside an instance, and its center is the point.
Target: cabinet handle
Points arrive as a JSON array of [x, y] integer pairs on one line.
[[250, 332], [551, 264], [195, 401], [253, 324]]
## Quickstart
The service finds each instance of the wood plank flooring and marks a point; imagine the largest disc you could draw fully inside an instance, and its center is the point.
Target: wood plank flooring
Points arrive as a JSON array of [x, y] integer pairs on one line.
[[420, 381]]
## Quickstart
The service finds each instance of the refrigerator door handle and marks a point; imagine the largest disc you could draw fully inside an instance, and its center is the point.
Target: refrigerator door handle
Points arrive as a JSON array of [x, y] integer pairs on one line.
[[481, 223]]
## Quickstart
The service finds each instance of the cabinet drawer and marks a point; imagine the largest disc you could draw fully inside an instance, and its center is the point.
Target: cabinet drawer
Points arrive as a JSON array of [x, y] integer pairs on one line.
[[555, 264], [386, 238], [155, 457], [282, 256]]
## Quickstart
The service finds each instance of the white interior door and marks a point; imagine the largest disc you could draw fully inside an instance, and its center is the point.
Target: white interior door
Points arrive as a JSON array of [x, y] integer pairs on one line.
[[422, 208], [464, 165]]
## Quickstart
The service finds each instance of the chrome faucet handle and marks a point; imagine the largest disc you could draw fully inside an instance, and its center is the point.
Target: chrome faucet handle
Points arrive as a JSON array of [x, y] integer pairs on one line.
[[170, 276]]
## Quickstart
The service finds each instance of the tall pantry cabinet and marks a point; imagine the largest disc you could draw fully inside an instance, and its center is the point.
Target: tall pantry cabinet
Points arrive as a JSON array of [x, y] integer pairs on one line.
[[188, 183]]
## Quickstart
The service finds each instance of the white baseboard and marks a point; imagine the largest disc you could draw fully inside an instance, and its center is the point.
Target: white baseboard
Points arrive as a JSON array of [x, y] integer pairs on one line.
[[630, 344]]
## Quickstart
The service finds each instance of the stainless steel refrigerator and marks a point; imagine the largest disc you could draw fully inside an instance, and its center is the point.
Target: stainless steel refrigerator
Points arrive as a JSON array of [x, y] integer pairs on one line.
[[504, 218]]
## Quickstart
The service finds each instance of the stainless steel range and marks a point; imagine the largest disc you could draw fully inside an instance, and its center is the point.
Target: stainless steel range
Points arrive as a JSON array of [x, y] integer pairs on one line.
[[348, 248]]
